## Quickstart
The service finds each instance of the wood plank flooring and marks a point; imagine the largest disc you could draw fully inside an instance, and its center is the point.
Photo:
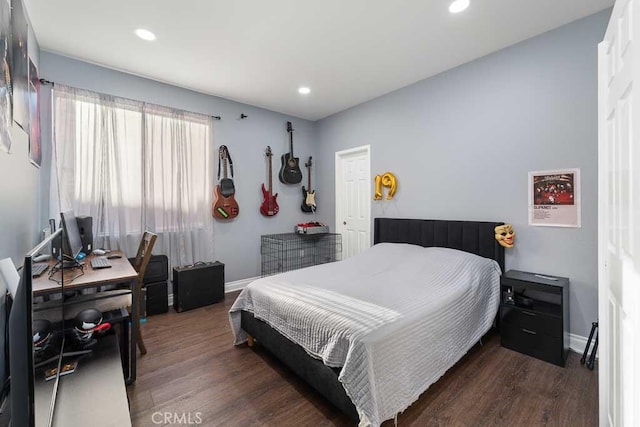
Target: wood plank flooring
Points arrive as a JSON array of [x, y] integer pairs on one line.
[[193, 368]]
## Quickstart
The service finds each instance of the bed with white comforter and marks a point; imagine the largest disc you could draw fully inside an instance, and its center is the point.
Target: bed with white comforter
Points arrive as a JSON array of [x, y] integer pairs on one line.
[[395, 318]]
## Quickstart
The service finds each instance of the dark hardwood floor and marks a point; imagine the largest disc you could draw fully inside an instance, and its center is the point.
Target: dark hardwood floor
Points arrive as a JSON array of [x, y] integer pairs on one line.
[[192, 372]]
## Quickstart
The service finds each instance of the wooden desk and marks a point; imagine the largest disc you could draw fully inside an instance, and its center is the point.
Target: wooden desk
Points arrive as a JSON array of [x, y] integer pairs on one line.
[[121, 271]]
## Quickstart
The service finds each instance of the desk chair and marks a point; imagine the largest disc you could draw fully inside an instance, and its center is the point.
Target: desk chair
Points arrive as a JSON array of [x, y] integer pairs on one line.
[[140, 265]]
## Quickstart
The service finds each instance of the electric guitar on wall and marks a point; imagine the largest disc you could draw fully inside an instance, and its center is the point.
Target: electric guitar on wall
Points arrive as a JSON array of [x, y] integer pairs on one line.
[[269, 206], [308, 195], [290, 172], [225, 205]]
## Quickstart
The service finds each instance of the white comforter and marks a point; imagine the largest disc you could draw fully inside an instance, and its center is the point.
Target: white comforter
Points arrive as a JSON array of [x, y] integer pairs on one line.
[[395, 318]]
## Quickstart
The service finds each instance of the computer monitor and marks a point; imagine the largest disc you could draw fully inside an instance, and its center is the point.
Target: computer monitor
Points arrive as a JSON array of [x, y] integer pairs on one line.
[[30, 358], [71, 241]]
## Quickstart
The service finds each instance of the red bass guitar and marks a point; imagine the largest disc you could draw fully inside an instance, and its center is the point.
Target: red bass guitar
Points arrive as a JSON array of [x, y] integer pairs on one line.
[[269, 206]]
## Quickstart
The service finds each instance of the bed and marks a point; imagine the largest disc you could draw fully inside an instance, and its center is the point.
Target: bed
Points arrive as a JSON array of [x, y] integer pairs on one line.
[[373, 332]]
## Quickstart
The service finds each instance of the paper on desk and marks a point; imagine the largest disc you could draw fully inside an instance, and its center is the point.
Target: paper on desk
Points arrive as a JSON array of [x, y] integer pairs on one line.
[[9, 276]]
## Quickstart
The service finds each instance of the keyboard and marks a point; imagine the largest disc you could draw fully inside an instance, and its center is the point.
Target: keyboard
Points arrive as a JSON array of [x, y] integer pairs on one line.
[[97, 263], [38, 269]]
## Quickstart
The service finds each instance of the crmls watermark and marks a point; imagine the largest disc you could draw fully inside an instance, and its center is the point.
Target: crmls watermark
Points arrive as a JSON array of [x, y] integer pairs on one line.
[[176, 418]]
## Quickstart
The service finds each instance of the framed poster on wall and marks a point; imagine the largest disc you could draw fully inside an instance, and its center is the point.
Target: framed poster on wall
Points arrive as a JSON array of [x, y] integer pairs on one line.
[[20, 65], [6, 90], [35, 152], [554, 198]]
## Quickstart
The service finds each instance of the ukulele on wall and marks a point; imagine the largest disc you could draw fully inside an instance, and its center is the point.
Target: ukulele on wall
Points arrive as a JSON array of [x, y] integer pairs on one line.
[[308, 195], [269, 206], [225, 205], [290, 172]]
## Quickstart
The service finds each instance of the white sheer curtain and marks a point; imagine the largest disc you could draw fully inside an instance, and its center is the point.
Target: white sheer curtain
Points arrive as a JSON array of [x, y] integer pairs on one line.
[[134, 166]]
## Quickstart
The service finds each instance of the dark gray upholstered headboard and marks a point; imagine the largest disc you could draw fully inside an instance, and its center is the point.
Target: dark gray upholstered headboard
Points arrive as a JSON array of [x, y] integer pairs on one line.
[[469, 236]]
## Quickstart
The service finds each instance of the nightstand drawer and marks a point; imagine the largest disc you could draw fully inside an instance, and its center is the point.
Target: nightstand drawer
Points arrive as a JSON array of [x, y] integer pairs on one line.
[[521, 318], [532, 343]]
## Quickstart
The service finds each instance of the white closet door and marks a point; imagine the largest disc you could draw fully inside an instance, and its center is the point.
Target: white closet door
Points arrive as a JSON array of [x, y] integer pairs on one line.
[[619, 218], [353, 200]]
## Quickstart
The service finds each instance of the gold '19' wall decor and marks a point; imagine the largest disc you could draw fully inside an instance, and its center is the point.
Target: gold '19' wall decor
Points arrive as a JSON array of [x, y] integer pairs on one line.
[[387, 180]]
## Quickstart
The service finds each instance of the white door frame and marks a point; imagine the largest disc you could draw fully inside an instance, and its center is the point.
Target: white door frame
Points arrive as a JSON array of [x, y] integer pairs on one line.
[[619, 219], [366, 149]]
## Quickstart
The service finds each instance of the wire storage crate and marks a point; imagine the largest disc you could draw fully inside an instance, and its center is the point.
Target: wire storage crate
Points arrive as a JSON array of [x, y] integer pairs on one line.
[[291, 251]]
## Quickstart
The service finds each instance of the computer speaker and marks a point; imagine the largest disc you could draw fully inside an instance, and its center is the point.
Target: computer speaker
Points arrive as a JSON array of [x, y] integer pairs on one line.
[[85, 226], [56, 243]]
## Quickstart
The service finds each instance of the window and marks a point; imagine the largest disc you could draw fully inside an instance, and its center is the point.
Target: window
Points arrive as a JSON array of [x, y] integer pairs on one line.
[[133, 166]]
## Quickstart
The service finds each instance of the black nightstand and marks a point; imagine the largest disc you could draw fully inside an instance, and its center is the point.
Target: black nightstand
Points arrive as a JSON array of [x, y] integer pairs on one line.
[[537, 321]]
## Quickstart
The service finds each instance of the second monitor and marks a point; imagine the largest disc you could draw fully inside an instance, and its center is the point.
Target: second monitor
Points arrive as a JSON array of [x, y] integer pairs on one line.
[[71, 241]]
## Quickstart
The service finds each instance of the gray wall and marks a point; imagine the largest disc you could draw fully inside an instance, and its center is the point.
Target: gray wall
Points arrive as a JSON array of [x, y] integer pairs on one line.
[[19, 202], [20, 199], [237, 243], [461, 144], [20, 189]]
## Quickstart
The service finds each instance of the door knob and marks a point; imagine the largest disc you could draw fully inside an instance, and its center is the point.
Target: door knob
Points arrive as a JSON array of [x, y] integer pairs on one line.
[[344, 222]]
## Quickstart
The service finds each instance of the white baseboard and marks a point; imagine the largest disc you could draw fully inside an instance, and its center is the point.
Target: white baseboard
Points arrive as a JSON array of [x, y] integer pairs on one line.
[[236, 285], [577, 343]]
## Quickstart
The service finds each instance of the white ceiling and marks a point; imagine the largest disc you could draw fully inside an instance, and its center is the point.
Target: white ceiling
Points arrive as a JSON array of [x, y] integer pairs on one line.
[[259, 52]]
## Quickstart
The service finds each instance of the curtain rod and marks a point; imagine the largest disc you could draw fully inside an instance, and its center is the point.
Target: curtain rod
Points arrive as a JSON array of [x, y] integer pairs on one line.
[[50, 83]]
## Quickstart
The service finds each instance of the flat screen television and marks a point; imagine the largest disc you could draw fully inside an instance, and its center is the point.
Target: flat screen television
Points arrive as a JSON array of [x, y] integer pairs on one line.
[[34, 348]]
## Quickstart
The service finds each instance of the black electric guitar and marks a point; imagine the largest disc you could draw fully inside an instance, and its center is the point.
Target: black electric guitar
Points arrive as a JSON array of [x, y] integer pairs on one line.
[[308, 195], [290, 172]]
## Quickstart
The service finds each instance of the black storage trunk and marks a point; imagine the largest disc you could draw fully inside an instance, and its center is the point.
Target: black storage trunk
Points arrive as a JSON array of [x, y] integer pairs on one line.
[[155, 283], [198, 285]]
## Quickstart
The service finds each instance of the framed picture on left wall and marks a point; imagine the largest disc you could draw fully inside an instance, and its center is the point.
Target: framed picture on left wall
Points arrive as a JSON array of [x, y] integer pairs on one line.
[[20, 64], [35, 149], [6, 89]]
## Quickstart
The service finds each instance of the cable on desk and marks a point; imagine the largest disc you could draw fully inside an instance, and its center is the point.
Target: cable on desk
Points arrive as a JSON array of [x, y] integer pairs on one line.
[[59, 266]]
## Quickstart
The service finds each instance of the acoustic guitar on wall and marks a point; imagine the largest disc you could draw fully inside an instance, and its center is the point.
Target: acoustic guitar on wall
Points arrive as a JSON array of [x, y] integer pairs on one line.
[[269, 206], [308, 195], [224, 204], [290, 172]]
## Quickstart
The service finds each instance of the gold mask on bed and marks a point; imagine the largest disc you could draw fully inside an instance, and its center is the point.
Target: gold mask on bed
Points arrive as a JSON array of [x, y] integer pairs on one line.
[[505, 235]]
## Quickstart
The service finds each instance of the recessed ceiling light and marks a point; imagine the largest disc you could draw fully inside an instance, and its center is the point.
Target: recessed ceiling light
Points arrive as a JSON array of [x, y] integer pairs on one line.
[[145, 34], [304, 90], [458, 6]]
